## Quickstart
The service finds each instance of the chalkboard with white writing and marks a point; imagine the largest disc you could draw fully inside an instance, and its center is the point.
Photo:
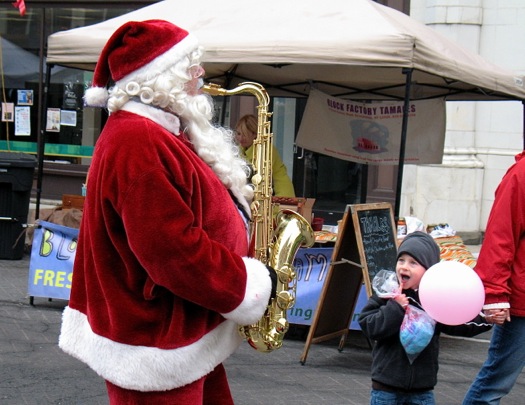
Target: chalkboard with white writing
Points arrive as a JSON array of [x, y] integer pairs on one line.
[[376, 234]]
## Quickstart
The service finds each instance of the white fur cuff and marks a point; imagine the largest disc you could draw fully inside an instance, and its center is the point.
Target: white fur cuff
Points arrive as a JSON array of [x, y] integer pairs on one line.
[[257, 294], [499, 305]]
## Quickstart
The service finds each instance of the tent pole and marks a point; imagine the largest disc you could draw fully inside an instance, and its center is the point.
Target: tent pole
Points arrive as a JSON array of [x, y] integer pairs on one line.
[[523, 130], [408, 73], [227, 84], [42, 142], [364, 183], [42, 95]]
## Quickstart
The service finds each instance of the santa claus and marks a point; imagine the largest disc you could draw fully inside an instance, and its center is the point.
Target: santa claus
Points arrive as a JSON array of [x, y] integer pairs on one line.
[[161, 277]]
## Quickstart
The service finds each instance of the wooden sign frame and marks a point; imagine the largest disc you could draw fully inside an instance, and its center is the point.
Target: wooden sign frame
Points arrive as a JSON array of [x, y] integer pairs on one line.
[[366, 239]]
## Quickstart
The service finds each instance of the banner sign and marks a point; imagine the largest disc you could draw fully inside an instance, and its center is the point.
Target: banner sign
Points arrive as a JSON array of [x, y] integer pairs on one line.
[[52, 257], [371, 132], [312, 266], [53, 254]]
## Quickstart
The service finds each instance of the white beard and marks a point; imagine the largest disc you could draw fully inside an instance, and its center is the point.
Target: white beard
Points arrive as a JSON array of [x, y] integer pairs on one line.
[[215, 145]]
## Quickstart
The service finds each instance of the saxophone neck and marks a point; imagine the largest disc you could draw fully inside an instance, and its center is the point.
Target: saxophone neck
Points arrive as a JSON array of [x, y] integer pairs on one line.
[[253, 88]]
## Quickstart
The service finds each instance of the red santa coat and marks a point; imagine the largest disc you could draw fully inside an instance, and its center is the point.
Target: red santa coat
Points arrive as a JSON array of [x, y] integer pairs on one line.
[[160, 279], [501, 261]]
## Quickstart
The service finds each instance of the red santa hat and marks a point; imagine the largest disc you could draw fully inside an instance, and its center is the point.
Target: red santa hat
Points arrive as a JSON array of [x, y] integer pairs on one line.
[[137, 51]]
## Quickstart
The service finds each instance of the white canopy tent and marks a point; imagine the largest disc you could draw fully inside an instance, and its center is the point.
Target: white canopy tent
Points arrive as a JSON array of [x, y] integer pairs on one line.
[[341, 47], [345, 48]]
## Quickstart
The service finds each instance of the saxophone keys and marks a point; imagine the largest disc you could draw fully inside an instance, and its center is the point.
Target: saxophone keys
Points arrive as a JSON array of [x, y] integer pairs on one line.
[[286, 274], [281, 326], [285, 300], [256, 179]]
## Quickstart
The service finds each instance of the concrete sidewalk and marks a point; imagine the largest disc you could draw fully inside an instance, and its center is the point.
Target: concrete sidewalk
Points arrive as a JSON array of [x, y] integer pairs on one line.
[[35, 371]]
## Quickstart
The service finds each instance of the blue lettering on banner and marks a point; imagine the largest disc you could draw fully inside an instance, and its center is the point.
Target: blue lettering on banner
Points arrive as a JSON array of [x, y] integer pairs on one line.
[[51, 264], [311, 266]]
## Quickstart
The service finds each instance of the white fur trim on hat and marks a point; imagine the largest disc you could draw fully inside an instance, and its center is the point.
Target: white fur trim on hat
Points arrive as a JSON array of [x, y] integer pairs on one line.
[[138, 51], [98, 96], [162, 62]]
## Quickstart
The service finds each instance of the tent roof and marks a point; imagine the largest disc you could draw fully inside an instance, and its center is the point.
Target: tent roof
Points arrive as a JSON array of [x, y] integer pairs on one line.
[[354, 49]]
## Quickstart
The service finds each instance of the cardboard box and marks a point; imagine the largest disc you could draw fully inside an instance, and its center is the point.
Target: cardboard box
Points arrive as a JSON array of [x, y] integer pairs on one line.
[[301, 205], [73, 201]]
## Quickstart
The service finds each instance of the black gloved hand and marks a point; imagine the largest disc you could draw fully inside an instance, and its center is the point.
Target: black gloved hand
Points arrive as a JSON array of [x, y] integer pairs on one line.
[[251, 172], [273, 276]]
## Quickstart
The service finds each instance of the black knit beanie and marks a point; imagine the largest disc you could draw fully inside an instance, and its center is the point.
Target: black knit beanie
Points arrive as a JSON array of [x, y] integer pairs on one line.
[[422, 247]]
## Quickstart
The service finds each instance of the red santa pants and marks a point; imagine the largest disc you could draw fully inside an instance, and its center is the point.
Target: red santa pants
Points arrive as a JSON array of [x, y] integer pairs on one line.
[[212, 389]]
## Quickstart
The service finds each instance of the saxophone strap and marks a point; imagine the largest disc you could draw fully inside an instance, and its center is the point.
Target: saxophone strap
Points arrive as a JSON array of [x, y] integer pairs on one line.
[[240, 207]]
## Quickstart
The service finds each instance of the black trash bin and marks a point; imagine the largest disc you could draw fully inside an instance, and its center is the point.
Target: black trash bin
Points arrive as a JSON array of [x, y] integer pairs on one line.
[[16, 180]]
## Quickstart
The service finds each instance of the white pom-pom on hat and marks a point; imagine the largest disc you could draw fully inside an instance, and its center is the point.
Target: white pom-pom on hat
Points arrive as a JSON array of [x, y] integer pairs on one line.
[[96, 96]]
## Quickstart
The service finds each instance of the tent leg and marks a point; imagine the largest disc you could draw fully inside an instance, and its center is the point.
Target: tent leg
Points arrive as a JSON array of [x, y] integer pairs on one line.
[[42, 142], [523, 130], [408, 73], [364, 183], [41, 99], [227, 84]]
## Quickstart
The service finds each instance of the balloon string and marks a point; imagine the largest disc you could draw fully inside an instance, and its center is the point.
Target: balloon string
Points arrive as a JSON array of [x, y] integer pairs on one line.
[[482, 314], [478, 324]]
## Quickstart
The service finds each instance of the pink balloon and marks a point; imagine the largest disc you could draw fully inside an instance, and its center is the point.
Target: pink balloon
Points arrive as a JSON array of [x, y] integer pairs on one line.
[[451, 293]]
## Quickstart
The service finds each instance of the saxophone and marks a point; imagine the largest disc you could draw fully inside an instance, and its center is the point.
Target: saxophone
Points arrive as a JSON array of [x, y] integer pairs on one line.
[[276, 245]]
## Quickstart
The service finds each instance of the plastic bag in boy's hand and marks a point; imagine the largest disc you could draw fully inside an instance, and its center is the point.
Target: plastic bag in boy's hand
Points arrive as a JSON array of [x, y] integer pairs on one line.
[[385, 284], [416, 331]]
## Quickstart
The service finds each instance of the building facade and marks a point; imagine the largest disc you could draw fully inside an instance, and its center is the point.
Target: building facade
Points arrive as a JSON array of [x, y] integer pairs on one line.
[[482, 138]]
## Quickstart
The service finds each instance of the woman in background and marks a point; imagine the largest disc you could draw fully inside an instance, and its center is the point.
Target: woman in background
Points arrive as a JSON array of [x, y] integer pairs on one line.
[[245, 134]]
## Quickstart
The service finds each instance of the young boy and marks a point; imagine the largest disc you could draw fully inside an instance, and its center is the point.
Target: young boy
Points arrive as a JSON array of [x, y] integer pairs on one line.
[[395, 379]]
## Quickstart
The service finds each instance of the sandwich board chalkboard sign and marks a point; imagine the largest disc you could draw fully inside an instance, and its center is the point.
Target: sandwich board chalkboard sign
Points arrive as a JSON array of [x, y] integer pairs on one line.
[[376, 237], [366, 243]]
